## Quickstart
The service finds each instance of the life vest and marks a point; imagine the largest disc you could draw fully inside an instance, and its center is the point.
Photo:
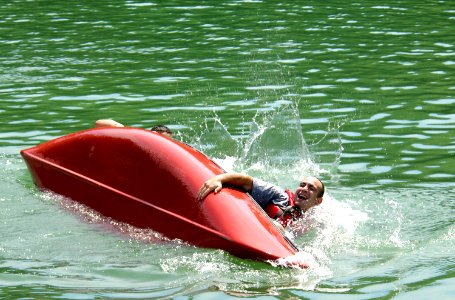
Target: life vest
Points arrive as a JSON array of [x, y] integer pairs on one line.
[[272, 211]]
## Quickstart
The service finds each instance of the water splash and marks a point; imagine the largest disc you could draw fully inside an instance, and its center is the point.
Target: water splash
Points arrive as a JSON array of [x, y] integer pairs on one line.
[[332, 229], [332, 137], [276, 147], [274, 150], [217, 142]]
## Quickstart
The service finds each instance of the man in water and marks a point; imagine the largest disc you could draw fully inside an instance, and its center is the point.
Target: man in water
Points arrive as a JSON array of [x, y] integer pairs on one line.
[[161, 129], [278, 204]]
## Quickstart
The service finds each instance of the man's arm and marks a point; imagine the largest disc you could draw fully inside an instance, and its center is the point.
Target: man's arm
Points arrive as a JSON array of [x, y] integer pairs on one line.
[[108, 123], [216, 183]]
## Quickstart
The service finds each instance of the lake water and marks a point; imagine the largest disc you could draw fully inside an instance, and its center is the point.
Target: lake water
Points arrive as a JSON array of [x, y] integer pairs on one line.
[[359, 93]]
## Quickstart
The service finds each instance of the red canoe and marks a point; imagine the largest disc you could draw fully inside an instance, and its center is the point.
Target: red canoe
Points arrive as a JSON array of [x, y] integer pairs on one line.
[[150, 181]]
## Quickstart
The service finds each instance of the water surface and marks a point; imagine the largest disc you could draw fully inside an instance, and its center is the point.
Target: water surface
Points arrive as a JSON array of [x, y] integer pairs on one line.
[[359, 93]]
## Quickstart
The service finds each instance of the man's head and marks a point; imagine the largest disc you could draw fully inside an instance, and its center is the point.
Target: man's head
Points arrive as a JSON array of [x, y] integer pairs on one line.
[[309, 193], [161, 129]]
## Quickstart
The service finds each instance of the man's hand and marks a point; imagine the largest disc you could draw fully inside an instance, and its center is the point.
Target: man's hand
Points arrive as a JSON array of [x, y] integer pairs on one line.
[[214, 184]]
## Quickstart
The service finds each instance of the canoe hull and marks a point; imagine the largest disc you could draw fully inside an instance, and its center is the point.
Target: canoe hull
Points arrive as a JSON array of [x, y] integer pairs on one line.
[[150, 181]]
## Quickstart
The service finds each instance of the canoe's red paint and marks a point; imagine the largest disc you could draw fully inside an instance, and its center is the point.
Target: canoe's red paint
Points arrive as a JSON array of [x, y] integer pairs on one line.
[[150, 181]]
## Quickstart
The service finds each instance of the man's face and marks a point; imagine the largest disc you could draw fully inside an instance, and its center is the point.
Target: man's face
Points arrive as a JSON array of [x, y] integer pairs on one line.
[[306, 194]]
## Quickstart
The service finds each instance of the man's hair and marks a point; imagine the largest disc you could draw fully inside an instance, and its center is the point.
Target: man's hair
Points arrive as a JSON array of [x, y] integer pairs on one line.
[[161, 128], [321, 192]]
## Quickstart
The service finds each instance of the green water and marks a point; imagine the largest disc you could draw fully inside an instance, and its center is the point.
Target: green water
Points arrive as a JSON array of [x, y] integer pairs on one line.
[[359, 93]]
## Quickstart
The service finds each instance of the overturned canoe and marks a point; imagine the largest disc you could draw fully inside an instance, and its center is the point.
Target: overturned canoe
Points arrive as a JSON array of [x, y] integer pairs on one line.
[[150, 181]]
